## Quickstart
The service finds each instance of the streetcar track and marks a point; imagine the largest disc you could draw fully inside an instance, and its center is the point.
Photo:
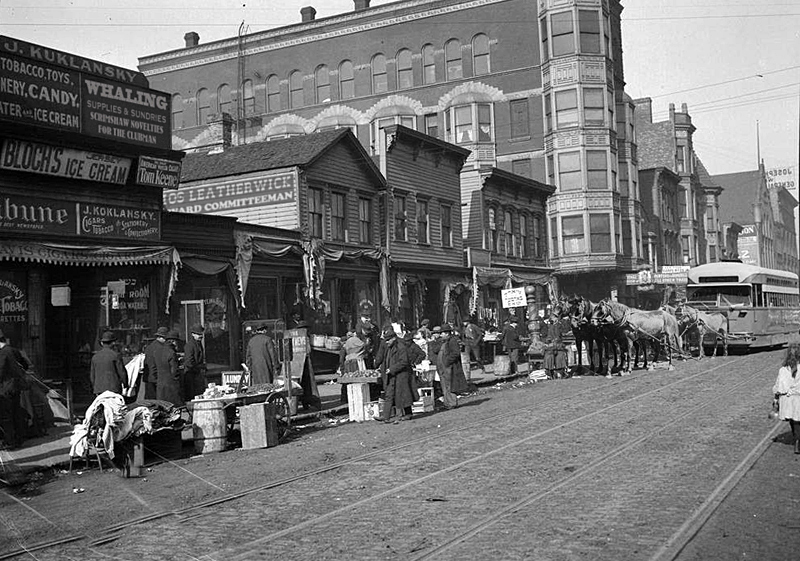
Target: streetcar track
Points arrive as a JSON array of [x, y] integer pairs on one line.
[[182, 512]]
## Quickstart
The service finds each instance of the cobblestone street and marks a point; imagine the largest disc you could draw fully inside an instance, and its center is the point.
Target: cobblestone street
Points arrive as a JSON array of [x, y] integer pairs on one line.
[[585, 468]]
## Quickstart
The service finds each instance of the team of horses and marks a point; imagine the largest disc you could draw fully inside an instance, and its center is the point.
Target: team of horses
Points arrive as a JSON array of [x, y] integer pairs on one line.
[[611, 329]]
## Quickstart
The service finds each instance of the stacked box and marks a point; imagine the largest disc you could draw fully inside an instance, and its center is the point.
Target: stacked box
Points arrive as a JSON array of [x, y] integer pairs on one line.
[[425, 402]]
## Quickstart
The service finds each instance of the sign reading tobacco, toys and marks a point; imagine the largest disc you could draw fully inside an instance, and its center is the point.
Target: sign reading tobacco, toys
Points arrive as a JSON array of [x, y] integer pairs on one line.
[[47, 88]]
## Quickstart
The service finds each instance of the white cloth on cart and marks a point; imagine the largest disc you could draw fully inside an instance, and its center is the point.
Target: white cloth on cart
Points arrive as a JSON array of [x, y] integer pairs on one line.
[[134, 368], [114, 411]]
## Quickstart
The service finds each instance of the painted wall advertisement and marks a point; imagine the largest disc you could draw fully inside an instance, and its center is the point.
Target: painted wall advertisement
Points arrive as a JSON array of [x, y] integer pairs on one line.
[[13, 304], [748, 245], [784, 177], [30, 215], [158, 173], [67, 93], [268, 188]]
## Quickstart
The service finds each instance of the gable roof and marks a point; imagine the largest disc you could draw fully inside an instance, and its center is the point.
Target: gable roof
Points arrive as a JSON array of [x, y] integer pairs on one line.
[[741, 193], [702, 173], [301, 151], [519, 181]]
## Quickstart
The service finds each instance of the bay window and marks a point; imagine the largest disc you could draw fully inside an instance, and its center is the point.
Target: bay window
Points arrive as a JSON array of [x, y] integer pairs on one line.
[[597, 169], [589, 23], [600, 233], [465, 124], [569, 171], [572, 235], [563, 33], [593, 110], [566, 108]]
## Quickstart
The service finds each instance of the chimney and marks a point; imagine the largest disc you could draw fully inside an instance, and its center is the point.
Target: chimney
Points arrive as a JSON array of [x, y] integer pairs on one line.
[[672, 112], [220, 127], [307, 14], [644, 107], [192, 39], [684, 108], [361, 5]]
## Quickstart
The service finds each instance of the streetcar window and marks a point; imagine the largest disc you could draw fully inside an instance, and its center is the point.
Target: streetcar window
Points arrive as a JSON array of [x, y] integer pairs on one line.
[[720, 295]]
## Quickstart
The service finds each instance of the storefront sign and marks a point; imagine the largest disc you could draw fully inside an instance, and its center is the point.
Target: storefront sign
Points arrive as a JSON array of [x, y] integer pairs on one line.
[[13, 304], [783, 177], [21, 155], [59, 97], [86, 220], [513, 297], [747, 245], [259, 190], [158, 173]]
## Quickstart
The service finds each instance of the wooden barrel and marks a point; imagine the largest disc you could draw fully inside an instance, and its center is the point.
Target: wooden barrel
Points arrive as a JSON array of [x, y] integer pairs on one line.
[[502, 365], [209, 427]]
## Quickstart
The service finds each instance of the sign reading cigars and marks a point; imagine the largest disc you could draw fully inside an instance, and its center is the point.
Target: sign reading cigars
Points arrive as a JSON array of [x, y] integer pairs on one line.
[[47, 88], [158, 173], [21, 155], [86, 220]]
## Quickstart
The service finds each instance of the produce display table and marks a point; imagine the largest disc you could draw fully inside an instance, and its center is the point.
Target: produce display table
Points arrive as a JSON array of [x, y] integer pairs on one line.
[[358, 396]]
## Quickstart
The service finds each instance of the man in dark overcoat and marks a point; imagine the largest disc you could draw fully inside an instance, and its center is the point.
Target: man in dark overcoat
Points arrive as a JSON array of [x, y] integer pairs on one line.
[[194, 363], [107, 372], [261, 358], [150, 375], [12, 379], [512, 343], [165, 365], [400, 391]]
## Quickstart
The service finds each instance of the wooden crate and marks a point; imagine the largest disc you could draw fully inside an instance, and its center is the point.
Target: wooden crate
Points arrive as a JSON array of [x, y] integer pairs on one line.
[[357, 400], [425, 403], [259, 426]]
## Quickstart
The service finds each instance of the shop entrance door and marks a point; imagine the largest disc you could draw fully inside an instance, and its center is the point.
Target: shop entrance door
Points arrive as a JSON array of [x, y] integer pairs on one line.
[[193, 313]]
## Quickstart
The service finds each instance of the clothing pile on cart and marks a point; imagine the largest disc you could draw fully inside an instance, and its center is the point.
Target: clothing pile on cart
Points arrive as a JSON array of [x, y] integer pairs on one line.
[[108, 421]]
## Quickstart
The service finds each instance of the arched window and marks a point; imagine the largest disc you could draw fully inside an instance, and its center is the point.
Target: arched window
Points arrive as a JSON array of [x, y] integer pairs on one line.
[[203, 106], [405, 75], [177, 112], [224, 103], [347, 88], [379, 82], [323, 84], [452, 55], [295, 89], [248, 99], [273, 94], [480, 54], [428, 65]]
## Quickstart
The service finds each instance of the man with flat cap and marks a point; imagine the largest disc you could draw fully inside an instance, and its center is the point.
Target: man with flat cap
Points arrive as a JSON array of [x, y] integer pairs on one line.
[[194, 363], [261, 358], [107, 372]]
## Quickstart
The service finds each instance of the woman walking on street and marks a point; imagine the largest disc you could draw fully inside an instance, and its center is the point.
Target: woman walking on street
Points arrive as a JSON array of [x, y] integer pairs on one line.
[[787, 392]]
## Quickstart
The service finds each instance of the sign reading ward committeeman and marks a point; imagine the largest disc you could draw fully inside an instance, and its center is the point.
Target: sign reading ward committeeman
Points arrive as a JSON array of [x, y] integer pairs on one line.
[[42, 87], [266, 198]]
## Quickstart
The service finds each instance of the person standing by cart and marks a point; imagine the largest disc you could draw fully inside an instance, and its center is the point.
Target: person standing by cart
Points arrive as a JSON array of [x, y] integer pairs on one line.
[[107, 372], [261, 358], [400, 391], [169, 387], [473, 337], [351, 358], [194, 363], [150, 376]]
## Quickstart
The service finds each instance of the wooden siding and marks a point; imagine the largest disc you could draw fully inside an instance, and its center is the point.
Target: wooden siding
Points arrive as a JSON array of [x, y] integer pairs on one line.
[[199, 233], [472, 209]]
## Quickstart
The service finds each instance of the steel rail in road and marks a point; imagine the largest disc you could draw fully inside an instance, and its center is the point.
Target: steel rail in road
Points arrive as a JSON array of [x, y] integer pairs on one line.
[[110, 533]]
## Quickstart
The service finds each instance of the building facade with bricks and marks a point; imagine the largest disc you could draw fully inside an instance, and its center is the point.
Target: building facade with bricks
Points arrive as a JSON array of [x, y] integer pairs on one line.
[[533, 89]]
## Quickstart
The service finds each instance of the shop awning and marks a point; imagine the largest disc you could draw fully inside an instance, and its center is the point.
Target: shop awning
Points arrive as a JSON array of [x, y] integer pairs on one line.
[[86, 255]]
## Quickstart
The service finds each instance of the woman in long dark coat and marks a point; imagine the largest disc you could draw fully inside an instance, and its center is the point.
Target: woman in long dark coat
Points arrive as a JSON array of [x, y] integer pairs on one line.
[[400, 388]]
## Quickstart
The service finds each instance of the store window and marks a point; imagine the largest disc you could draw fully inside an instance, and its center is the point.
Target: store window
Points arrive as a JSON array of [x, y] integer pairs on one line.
[[423, 234], [597, 169], [273, 94], [593, 109], [380, 83], [316, 212], [480, 55], [177, 112], [508, 233], [572, 232], [224, 102], [248, 99], [203, 106], [566, 108], [206, 300], [520, 118], [322, 81], [563, 33], [600, 233], [338, 217], [428, 64], [453, 63], [400, 218], [405, 72], [569, 171], [447, 226], [262, 299], [365, 220], [589, 23], [347, 89], [296, 89]]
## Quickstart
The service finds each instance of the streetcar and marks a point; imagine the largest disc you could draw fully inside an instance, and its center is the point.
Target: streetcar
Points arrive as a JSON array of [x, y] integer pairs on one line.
[[762, 305]]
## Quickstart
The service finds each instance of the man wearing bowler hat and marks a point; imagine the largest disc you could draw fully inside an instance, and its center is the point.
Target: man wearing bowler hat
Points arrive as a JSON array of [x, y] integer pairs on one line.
[[261, 358], [194, 363], [170, 386], [150, 376], [107, 372]]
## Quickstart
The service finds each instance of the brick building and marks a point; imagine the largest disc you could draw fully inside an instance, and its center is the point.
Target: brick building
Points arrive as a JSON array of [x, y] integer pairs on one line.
[[533, 90]]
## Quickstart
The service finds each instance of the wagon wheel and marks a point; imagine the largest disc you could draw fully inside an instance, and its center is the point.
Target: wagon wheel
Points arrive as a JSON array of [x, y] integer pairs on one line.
[[282, 414]]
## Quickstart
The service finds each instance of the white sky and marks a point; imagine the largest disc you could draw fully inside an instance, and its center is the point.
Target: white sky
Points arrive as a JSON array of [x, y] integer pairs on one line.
[[734, 62]]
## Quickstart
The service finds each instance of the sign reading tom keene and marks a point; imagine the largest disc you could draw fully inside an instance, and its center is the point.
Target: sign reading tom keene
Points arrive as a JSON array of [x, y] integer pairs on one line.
[[48, 91], [267, 198]]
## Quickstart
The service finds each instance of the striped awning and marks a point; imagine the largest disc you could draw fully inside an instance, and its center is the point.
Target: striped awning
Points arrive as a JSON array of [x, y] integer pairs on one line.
[[87, 255]]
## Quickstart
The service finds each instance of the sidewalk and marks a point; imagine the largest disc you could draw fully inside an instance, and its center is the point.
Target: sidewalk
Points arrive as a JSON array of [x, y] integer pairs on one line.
[[53, 449]]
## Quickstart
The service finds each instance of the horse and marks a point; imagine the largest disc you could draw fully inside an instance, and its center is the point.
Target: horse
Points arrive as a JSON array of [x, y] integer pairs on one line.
[[579, 311], [700, 324], [638, 325]]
